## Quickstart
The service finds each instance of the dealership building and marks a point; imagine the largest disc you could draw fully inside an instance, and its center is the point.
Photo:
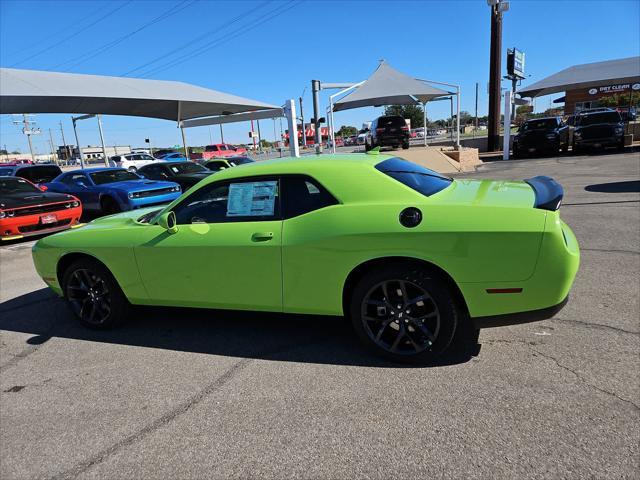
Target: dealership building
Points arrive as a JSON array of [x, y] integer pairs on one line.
[[585, 86]]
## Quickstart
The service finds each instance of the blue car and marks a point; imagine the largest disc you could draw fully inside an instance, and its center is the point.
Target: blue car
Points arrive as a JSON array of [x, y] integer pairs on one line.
[[174, 157], [113, 190]]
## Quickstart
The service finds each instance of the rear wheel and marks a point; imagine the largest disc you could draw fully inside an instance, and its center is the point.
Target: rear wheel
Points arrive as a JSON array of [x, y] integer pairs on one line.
[[132, 169], [94, 295], [405, 314], [405, 145], [109, 206]]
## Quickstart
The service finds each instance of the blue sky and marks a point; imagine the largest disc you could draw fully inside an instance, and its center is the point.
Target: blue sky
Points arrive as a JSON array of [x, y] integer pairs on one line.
[[270, 50]]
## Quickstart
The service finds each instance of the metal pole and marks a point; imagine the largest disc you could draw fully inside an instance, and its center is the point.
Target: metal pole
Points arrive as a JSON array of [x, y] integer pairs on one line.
[[253, 137], [184, 143], [315, 88], [292, 120], [332, 133], [75, 131], [476, 107], [27, 131], [304, 132], [104, 149], [53, 152], [451, 110], [493, 137], [424, 123], [507, 125], [260, 136], [64, 142], [221, 134], [458, 117]]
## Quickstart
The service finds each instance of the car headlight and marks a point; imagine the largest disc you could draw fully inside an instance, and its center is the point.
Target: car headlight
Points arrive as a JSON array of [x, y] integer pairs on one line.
[[75, 204], [2, 214], [131, 195], [7, 213], [176, 189], [618, 130]]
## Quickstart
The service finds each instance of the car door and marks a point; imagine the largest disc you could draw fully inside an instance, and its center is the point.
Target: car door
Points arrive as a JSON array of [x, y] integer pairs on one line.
[[226, 252]]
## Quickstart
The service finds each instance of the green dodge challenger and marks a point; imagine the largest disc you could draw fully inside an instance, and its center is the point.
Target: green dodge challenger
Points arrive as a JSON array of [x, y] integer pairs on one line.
[[418, 262]]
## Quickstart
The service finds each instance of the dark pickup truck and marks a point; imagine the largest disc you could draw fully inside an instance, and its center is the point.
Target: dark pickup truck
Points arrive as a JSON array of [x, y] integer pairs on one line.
[[541, 135], [598, 129]]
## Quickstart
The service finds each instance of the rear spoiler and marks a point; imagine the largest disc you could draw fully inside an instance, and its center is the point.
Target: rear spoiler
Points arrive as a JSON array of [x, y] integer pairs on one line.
[[548, 192]]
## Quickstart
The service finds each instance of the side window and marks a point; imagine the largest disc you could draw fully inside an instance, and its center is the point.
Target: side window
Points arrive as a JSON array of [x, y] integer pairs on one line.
[[76, 179], [234, 201], [216, 166], [302, 194]]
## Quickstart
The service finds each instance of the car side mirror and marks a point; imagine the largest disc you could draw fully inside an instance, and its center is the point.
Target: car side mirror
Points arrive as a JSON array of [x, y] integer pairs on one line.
[[168, 221]]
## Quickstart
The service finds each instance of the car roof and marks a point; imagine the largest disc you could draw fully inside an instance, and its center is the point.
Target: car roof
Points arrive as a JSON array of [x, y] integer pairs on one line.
[[541, 118], [94, 169]]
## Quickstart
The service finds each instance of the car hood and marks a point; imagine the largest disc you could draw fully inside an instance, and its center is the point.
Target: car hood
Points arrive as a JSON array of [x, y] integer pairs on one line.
[[138, 185], [495, 193], [28, 199]]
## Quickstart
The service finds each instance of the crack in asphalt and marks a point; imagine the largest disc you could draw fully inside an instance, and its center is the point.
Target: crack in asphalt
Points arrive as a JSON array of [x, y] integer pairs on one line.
[[610, 250], [171, 415], [594, 325], [582, 379]]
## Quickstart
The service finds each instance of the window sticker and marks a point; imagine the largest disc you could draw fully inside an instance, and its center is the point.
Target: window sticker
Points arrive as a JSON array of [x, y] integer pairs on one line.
[[252, 199]]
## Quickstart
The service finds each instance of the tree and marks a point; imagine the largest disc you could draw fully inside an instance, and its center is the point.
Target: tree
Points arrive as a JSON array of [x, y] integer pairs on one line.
[[620, 100], [3, 152], [415, 113], [346, 131]]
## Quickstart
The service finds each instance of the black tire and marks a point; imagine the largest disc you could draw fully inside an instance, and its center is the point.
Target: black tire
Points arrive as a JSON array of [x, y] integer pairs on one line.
[[565, 148], [366, 147], [516, 151], [378, 323], [621, 146], [405, 146], [109, 206], [132, 169], [577, 149], [93, 295]]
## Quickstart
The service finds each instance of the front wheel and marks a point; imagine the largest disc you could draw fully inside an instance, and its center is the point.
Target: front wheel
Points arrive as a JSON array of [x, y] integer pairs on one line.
[[405, 314], [405, 145], [132, 169], [94, 295]]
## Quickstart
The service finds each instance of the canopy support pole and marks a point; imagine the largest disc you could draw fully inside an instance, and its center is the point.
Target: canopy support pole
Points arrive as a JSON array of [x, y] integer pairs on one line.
[[290, 113], [75, 130], [457, 94], [184, 139], [424, 123], [337, 85], [507, 125], [104, 150]]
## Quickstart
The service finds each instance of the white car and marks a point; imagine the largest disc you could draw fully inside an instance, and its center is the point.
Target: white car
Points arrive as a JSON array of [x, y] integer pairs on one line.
[[132, 161]]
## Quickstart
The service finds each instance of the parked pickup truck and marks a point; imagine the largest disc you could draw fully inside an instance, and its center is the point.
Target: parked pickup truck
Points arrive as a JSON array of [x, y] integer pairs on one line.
[[218, 150], [598, 129]]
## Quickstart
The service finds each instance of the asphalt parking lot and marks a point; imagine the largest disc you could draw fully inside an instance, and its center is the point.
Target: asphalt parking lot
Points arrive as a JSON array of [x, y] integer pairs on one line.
[[193, 394]]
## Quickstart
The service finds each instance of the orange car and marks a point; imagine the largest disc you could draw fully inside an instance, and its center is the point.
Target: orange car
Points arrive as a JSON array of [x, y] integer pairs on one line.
[[28, 210]]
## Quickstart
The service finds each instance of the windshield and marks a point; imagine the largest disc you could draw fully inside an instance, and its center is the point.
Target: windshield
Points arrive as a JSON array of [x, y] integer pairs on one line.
[[148, 217], [417, 177], [595, 118], [111, 176], [235, 161], [542, 124], [186, 167], [6, 172], [16, 185], [393, 121]]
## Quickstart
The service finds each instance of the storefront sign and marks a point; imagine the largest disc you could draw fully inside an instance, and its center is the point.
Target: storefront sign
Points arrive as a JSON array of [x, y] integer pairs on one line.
[[620, 87]]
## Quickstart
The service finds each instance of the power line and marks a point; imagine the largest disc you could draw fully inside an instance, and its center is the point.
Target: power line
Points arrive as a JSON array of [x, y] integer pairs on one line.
[[98, 51], [198, 38], [216, 43], [26, 48], [75, 34]]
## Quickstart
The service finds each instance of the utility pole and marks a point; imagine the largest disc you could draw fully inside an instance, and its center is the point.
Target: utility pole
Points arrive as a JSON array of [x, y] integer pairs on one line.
[[315, 88], [64, 142], [28, 130], [259, 136], [221, 134], [497, 8], [53, 151], [476, 105]]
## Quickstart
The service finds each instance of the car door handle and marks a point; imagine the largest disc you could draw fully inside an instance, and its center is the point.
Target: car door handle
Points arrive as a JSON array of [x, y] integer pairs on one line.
[[262, 236]]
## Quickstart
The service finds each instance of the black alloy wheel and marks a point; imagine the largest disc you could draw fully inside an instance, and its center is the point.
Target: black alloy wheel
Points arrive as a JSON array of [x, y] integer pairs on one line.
[[93, 295], [405, 314], [400, 317]]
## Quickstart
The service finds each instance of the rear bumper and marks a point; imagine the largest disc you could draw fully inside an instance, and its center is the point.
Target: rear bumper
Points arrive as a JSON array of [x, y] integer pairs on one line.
[[518, 318], [605, 142]]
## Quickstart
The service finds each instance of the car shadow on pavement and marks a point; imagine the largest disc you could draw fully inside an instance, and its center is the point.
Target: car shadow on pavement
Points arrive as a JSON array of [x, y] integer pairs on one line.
[[632, 186], [267, 336]]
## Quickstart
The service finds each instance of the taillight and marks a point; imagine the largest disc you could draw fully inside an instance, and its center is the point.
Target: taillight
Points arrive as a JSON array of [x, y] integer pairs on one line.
[[379, 130], [405, 128]]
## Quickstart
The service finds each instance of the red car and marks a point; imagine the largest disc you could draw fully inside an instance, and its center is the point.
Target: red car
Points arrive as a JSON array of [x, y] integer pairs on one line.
[[222, 150], [28, 210]]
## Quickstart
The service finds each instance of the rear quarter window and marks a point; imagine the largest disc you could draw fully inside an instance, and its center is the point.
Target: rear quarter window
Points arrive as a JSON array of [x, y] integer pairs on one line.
[[414, 176]]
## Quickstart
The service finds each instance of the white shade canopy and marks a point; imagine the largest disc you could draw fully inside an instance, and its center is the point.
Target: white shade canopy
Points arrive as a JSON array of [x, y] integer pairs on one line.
[[624, 70], [388, 86], [32, 91]]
